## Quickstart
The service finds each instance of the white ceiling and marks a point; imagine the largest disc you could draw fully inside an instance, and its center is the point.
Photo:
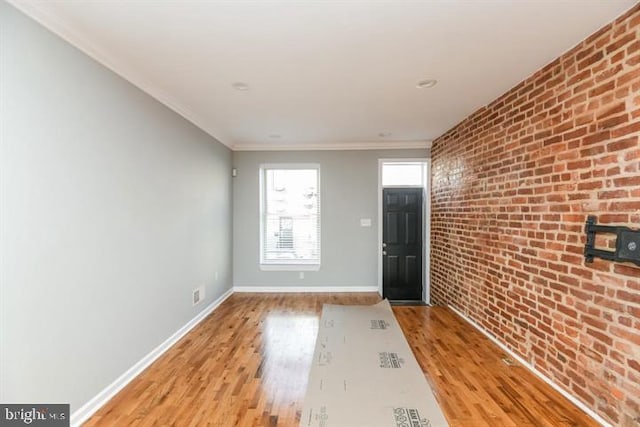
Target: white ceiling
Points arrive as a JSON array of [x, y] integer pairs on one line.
[[325, 74]]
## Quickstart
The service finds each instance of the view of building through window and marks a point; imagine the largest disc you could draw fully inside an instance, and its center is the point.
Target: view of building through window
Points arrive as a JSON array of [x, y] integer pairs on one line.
[[290, 216]]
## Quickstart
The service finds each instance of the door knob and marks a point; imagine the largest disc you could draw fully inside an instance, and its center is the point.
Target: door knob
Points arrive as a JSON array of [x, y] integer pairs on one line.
[[384, 252], [384, 245]]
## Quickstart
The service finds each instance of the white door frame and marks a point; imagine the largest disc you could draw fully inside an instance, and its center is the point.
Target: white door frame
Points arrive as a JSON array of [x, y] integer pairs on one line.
[[426, 223]]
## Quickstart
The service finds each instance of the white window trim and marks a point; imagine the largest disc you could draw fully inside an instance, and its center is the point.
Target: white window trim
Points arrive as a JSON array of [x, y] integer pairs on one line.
[[289, 267], [293, 265]]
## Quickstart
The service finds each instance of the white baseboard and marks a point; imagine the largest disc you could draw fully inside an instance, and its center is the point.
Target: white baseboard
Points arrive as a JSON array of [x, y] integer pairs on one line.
[[537, 373], [334, 289], [83, 413]]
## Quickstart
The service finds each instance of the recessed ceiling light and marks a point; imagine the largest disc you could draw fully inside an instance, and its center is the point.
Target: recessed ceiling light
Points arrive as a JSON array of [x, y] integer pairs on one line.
[[274, 136], [426, 84], [384, 134], [240, 86]]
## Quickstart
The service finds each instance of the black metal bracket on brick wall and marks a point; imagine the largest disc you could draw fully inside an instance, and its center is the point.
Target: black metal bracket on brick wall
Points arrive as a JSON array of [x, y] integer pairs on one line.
[[627, 242]]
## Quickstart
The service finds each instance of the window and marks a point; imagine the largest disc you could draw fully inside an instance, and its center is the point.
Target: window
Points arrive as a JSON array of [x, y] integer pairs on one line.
[[290, 217], [403, 174]]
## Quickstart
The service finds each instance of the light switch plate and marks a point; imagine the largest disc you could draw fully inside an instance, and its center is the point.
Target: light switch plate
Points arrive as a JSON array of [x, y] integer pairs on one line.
[[365, 222]]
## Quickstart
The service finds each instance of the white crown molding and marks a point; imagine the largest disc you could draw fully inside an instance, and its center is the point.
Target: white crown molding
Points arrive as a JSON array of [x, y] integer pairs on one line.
[[35, 11], [373, 145], [32, 9], [528, 366], [305, 289], [82, 414]]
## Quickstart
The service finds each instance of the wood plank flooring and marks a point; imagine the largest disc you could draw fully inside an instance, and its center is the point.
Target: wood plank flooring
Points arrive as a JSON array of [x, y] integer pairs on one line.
[[471, 382], [247, 365]]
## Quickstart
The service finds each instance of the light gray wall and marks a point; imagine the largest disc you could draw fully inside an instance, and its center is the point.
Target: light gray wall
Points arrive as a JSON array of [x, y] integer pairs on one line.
[[348, 192], [113, 208]]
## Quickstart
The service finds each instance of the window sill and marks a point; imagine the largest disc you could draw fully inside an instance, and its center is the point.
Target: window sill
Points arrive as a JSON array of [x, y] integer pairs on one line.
[[289, 267]]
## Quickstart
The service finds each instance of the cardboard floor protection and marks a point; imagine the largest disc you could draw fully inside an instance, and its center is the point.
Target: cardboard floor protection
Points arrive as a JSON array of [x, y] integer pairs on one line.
[[365, 375]]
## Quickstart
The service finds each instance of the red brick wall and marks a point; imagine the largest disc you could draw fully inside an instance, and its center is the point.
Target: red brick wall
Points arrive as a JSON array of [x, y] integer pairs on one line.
[[512, 187]]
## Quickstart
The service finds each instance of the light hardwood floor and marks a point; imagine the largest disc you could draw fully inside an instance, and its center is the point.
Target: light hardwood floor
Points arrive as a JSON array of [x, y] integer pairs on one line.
[[247, 365]]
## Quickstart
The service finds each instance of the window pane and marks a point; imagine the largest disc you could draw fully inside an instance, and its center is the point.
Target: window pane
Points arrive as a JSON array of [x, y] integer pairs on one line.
[[402, 174], [290, 222]]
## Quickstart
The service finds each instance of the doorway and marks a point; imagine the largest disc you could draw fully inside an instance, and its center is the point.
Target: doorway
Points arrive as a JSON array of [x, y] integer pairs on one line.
[[403, 229], [402, 243]]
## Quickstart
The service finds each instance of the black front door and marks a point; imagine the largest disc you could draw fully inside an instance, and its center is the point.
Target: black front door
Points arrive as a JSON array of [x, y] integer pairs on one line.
[[402, 243]]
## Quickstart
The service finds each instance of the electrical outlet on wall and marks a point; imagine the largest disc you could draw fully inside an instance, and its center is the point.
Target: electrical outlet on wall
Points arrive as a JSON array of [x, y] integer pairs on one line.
[[216, 276], [198, 295], [301, 275]]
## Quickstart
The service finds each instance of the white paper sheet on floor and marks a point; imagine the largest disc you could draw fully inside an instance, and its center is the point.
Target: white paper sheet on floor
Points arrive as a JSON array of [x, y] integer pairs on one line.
[[364, 373]]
